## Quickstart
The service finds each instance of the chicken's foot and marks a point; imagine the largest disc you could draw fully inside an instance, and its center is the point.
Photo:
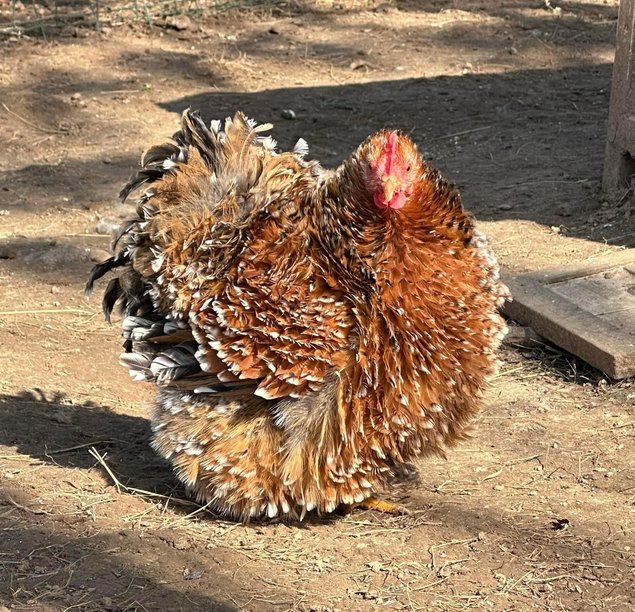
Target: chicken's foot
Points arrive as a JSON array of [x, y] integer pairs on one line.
[[379, 505]]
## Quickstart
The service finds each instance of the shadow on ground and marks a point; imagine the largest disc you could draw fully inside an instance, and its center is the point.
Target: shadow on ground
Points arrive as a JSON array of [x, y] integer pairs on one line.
[[521, 145], [53, 429], [107, 571]]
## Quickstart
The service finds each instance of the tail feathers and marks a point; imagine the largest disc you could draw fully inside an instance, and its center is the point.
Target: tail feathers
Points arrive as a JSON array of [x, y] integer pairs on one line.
[[114, 290], [194, 133], [217, 148], [147, 175], [138, 365], [162, 367], [160, 156], [178, 368], [128, 290], [162, 351], [111, 295], [101, 269], [174, 363], [163, 158], [155, 328], [241, 133]]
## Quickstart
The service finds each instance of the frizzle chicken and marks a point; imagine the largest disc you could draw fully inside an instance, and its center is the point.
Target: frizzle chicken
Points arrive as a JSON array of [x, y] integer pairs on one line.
[[309, 332]]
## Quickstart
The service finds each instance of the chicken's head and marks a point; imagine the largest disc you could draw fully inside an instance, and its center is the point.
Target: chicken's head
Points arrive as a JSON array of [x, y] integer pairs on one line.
[[392, 165]]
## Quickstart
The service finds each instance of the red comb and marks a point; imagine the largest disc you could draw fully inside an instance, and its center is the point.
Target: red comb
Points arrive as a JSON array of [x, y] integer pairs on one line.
[[391, 151]]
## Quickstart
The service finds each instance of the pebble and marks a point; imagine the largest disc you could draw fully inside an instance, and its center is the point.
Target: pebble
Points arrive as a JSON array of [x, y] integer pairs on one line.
[[7, 253], [178, 22], [61, 417], [357, 65], [505, 207], [190, 574], [288, 113]]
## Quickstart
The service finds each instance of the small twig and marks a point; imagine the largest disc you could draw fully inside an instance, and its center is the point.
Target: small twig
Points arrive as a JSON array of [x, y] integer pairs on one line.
[[506, 372], [622, 426], [552, 578], [18, 458], [429, 585], [4, 313], [434, 548], [120, 91], [87, 235], [72, 448], [27, 122], [25, 508], [546, 182], [525, 459], [119, 486], [103, 464], [335, 78], [493, 475], [453, 134], [201, 509]]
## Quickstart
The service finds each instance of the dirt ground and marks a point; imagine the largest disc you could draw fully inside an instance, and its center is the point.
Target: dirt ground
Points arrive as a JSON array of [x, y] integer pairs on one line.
[[510, 100]]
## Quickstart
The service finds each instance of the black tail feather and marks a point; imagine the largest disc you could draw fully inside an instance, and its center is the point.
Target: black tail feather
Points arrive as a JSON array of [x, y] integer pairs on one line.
[[111, 295], [147, 175], [101, 269], [156, 155], [129, 292], [124, 230], [193, 133]]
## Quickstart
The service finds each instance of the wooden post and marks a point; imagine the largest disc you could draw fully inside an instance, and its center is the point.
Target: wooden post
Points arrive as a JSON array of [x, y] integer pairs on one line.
[[619, 163]]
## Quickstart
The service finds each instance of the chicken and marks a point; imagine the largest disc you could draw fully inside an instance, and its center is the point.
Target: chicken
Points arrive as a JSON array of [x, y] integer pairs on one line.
[[310, 333]]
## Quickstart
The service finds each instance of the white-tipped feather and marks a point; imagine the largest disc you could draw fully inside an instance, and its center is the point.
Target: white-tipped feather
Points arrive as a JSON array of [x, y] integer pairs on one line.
[[301, 147]]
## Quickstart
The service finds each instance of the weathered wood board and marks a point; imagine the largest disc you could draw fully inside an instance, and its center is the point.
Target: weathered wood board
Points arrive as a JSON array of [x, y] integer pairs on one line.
[[587, 309]]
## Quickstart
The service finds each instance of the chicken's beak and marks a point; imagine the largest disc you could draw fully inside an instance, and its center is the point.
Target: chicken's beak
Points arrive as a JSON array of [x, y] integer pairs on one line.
[[389, 186]]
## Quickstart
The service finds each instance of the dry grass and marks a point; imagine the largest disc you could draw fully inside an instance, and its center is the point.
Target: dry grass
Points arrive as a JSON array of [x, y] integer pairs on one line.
[[45, 18]]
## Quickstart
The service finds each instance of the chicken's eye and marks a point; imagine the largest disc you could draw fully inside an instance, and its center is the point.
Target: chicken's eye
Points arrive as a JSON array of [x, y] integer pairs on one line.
[[409, 167]]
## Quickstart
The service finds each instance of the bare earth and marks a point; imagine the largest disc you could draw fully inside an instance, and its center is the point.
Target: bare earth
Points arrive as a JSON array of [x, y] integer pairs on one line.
[[510, 100]]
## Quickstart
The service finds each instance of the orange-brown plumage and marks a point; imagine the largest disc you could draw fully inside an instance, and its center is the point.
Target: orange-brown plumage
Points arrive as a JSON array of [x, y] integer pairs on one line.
[[309, 332]]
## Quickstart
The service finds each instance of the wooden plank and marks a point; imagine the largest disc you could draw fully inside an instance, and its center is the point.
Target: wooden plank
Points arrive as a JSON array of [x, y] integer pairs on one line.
[[605, 295], [589, 310], [616, 259]]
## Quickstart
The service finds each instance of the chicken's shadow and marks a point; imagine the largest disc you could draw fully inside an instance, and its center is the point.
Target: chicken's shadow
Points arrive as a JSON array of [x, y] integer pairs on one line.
[[52, 428]]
